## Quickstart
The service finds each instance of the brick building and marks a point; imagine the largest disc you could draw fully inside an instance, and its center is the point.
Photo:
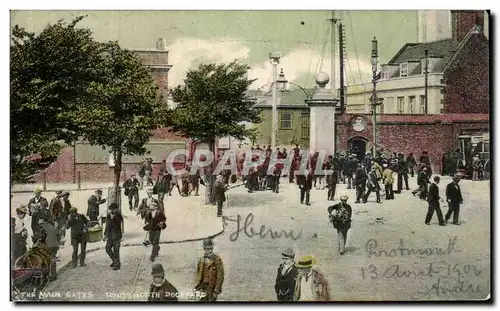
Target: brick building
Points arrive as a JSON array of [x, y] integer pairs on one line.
[[458, 101], [93, 164]]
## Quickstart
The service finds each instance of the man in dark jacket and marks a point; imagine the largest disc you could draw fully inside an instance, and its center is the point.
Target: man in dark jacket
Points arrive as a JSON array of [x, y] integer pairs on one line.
[[410, 160], [433, 200], [194, 180], [37, 202], [423, 181], [287, 274], [161, 289], [340, 216], [155, 223], [79, 235], [131, 186], [162, 186], [219, 194], [331, 182], [372, 185], [93, 205], [349, 168], [305, 183], [360, 182], [66, 206], [49, 237], [113, 235], [402, 173], [454, 199]]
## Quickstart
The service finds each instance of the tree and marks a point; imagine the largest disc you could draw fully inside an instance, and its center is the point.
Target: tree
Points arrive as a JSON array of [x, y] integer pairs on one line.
[[212, 104], [50, 75], [125, 110]]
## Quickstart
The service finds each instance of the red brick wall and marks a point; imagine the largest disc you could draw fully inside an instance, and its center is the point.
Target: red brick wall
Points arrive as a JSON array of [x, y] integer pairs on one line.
[[405, 134], [467, 79], [463, 20]]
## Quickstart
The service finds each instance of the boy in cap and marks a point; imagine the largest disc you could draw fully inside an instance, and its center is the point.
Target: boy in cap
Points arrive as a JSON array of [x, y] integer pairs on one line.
[[93, 205], [340, 216], [20, 232], [113, 235], [310, 285], [79, 235], [210, 273], [285, 279], [161, 289]]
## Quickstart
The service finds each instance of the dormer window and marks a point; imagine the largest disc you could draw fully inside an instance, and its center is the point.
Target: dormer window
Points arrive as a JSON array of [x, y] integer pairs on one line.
[[403, 70]]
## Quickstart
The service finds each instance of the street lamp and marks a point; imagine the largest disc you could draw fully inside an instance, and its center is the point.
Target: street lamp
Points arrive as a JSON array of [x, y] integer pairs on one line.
[[374, 100], [274, 58], [283, 84]]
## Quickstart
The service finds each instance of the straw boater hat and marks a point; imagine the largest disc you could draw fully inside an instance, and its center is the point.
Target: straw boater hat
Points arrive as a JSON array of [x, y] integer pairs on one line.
[[157, 270], [344, 198], [305, 262], [22, 209], [289, 253]]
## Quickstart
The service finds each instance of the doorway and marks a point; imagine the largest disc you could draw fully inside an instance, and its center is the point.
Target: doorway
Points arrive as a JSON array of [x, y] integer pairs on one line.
[[357, 145]]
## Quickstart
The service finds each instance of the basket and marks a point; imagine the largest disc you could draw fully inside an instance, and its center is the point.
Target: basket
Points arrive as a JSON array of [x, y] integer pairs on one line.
[[95, 234]]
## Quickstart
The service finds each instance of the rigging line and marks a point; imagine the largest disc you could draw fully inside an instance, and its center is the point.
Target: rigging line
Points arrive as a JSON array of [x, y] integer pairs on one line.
[[354, 44], [325, 40], [348, 65], [323, 50], [312, 49]]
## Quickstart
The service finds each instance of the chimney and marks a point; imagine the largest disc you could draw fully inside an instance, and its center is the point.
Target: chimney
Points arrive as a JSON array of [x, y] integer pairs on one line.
[[462, 22], [161, 44]]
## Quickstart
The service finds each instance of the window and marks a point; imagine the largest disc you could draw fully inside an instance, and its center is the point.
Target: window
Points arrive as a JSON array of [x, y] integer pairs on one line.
[[285, 120], [304, 122], [401, 105], [422, 104], [411, 105], [403, 70], [380, 108], [389, 105]]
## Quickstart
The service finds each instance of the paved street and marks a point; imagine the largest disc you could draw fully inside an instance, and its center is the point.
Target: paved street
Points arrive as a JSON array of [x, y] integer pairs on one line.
[[461, 270]]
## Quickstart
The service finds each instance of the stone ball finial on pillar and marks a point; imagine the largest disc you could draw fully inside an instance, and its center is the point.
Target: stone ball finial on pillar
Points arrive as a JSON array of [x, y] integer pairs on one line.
[[322, 79]]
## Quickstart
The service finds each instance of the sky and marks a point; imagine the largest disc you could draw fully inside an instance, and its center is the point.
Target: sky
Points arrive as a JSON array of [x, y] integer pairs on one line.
[[194, 37]]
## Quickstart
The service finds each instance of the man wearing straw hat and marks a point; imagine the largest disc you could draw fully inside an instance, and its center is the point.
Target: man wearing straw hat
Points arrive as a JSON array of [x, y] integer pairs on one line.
[[161, 289], [310, 285], [340, 216], [209, 273], [287, 274]]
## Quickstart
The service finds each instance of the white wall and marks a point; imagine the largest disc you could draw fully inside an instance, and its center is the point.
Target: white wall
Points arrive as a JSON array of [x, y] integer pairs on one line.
[[358, 96], [322, 129], [433, 26]]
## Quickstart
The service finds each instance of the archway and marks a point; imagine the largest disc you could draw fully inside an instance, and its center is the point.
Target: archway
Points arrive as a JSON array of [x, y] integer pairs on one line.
[[357, 145]]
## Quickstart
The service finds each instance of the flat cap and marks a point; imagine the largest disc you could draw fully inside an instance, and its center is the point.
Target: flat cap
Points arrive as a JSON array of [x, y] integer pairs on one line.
[[288, 253], [157, 269]]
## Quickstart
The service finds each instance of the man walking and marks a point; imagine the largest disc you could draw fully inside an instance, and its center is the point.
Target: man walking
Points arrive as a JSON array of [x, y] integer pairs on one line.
[[402, 173], [209, 273], [388, 181], [454, 199], [331, 182], [360, 182], [131, 186], [155, 223], [305, 183], [146, 202], [422, 180], [113, 235], [433, 200], [373, 185], [79, 236], [93, 205], [285, 279], [66, 206], [219, 192], [162, 187], [340, 216], [410, 160]]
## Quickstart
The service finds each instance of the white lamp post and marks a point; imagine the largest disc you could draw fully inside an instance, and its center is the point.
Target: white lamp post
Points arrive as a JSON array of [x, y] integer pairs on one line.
[[274, 58]]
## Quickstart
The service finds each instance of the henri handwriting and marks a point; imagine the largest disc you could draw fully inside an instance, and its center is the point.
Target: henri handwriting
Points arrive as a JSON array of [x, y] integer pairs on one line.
[[263, 233]]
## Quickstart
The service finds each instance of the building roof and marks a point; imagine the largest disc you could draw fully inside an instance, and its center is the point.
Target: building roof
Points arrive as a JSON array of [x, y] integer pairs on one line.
[[416, 51]]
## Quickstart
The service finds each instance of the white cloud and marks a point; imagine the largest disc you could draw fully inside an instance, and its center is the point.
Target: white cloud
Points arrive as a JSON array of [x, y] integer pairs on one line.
[[186, 53]]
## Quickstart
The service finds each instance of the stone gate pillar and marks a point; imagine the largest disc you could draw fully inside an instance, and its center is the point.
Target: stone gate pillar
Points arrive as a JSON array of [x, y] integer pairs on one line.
[[322, 106]]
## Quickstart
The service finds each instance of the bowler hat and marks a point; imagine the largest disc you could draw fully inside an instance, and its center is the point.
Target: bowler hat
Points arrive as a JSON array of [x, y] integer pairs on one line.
[[99, 191], [65, 193], [344, 198], [157, 270], [208, 244], [288, 253], [305, 262]]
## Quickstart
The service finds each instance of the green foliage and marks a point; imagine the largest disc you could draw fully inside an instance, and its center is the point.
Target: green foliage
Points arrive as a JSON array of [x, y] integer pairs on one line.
[[49, 74], [67, 86], [213, 102]]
